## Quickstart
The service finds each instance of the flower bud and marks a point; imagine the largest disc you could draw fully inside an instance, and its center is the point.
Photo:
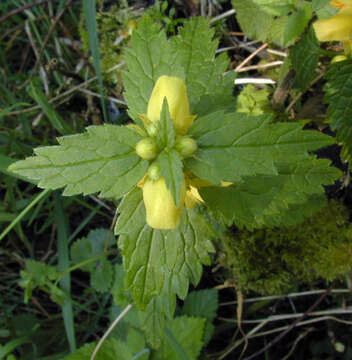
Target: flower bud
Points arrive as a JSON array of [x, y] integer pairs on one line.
[[161, 211], [154, 171], [185, 146], [146, 149], [338, 58]]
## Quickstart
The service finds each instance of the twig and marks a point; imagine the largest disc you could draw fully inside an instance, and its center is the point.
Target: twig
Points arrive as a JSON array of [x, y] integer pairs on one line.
[[37, 107], [23, 8], [284, 333], [111, 328], [251, 56], [117, 101], [276, 52], [260, 66], [291, 295], [223, 15]]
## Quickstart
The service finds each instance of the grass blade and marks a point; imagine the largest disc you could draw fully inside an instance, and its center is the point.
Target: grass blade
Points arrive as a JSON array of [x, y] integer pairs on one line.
[[90, 19], [63, 264]]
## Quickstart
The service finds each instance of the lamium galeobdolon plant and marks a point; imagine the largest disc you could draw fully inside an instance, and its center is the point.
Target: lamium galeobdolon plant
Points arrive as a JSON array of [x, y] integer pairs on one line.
[[186, 151]]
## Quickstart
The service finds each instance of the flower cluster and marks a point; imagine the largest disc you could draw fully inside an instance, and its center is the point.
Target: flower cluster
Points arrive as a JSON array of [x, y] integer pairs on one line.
[[161, 210]]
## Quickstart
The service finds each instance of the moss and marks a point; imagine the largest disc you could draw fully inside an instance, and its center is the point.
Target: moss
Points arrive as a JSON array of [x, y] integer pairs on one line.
[[274, 261]]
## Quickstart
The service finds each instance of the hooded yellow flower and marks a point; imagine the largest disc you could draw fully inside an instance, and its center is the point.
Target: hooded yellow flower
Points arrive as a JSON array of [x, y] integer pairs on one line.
[[162, 213], [338, 27], [161, 210], [174, 89]]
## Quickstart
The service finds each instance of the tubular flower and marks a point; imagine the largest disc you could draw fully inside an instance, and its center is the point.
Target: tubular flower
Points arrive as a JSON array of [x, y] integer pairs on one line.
[[338, 27], [174, 89], [162, 213]]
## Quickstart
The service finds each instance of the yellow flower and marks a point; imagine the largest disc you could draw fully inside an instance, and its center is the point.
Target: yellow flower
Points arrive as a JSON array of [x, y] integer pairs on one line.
[[174, 89], [162, 212], [338, 27]]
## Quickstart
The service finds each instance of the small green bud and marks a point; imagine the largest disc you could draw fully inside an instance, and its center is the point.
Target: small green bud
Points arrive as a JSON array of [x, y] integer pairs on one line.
[[154, 171], [146, 149], [185, 146], [152, 130]]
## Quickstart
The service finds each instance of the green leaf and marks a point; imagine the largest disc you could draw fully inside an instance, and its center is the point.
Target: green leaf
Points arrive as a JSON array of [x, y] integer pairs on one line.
[[87, 248], [102, 275], [261, 22], [101, 160], [148, 56], [171, 167], [254, 21], [296, 24], [194, 49], [120, 295], [202, 304], [113, 349], [339, 97], [276, 7], [304, 57], [166, 131], [260, 201], [187, 332], [154, 258], [154, 318], [239, 145]]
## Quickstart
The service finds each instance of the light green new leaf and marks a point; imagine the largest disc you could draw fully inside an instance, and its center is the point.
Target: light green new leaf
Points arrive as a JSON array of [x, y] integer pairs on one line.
[[171, 166], [339, 97], [207, 87], [103, 159], [148, 56], [166, 132], [237, 145], [187, 333], [304, 57], [259, 201]]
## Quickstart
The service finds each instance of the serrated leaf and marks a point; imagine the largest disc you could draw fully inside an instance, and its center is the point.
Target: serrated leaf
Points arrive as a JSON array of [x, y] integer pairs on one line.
[[171, 167], [188, 333], [276, 7], [194, 48], [101, 160], [154, 258], [154, 318], [148, 56], [254, 21], [259, 201], [339, 97], [113, 349], [203, 304], [261, 23], [102, 275], [239, 145], [166, 132], [85, 248], [81, 250], [304, 57], [296, 23]]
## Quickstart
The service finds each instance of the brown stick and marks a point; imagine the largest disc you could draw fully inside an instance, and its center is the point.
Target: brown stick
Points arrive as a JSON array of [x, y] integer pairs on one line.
[[284, 333]]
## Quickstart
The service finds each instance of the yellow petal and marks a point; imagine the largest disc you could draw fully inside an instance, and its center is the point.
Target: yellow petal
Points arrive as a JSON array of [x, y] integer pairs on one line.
[[341, 3], [162, 213], [336, 28], [192, 197], [174, 89]]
